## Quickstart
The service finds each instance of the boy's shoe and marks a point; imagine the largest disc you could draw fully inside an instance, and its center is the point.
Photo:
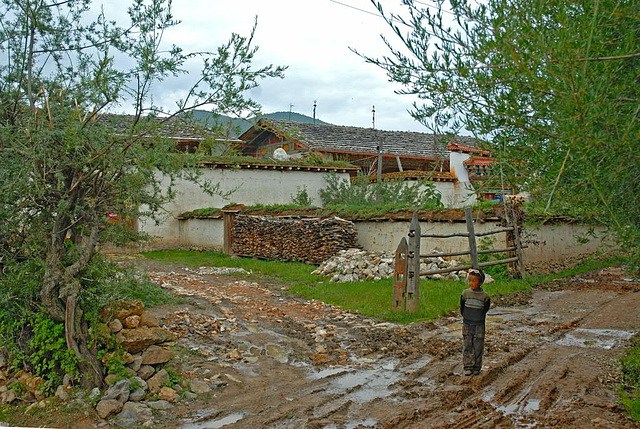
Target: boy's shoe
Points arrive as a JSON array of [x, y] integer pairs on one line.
[[476, 372], [468, 372]]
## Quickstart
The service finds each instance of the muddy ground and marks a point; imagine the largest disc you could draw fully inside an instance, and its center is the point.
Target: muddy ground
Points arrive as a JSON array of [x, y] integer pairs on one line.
[[279, 361]]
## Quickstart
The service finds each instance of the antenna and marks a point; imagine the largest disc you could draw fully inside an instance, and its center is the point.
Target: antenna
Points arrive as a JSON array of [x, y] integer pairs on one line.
[[373, 122], [290, 108], [314, 111]]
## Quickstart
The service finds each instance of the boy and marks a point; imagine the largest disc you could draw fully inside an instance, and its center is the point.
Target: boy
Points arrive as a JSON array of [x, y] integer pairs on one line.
[[474, 304]]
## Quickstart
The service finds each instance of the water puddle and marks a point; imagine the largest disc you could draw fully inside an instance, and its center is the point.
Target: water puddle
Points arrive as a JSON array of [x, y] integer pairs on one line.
[[368, 423], [215, 424], [595, 338], [277, 352]]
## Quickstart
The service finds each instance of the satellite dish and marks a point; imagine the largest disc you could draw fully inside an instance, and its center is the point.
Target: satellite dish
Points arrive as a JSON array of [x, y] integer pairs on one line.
[[280, 154]]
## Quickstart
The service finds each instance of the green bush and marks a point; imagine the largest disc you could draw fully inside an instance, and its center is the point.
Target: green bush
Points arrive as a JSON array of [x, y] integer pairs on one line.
[[302, 198], [630, 394]]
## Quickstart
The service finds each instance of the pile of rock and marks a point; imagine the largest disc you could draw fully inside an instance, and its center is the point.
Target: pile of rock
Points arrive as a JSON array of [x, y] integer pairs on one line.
[[355, 264]]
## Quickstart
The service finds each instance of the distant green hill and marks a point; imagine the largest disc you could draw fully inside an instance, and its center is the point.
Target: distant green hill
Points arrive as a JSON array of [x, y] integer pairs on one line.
[[236, 126]]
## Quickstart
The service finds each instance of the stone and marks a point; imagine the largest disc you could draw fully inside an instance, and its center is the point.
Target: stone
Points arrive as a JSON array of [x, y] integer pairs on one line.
[[136, 363], [189, 395], [132, 413], [62, 393], [8, 397], [488, 279], [110, 379], [119, 391], [160, 405], [107, 407], [146, 371], [199, 387], [66, 380], [155, 355], [168, 394], [138, 395], [158, 380], [148, 320], [137, 381], [94, 395], [115, 325], [132, 322], [136, 340], [121, 310]]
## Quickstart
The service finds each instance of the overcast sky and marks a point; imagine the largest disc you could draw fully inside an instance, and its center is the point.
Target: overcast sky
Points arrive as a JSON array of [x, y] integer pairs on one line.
[[312, 37]]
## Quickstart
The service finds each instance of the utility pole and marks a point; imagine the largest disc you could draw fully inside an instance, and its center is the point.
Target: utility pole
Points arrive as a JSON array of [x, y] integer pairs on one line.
[[290, 109], [314, 111]]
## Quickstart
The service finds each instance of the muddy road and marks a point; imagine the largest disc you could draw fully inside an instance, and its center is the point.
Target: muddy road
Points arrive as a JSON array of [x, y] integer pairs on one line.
[[278, 361]]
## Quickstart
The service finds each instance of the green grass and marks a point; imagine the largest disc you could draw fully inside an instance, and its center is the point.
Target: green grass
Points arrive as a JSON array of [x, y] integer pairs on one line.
[[630, 391], [370, 298]]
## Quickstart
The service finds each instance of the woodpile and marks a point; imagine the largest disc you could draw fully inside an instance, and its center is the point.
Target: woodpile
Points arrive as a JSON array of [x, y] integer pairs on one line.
[[285, 239]]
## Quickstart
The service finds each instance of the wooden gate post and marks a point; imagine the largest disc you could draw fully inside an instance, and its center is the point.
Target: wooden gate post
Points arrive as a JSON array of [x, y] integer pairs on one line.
[[228, 218], [400, 276], [413, 266], [473, 248]]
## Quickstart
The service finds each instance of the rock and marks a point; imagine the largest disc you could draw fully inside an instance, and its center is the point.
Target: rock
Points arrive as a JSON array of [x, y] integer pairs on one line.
[[190, 395], [158, 380], [136, 340], [138, 395], [119, 391], [133, 413], [110, 379], [8, 397], [199, 387], [155, 355], [107, 407], [66, 380], [94, 395], [121, 310], [488, 279], [137, 381], [62, 393], [132, 322], [148, 320], [160, 405], [146, 371], [168, 394], [136, 363], [115, 325]]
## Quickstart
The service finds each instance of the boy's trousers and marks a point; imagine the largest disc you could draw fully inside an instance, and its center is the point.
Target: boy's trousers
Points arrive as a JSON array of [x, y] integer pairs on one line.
[[472, 346]]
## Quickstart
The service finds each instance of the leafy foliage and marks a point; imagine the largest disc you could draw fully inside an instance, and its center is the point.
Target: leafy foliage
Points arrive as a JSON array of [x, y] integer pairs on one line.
[[302, 198], [422, 194], [631, 379], [554, 85]]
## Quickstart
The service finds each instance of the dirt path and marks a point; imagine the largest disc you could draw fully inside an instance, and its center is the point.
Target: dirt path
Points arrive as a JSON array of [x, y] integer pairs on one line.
[[283, 362]]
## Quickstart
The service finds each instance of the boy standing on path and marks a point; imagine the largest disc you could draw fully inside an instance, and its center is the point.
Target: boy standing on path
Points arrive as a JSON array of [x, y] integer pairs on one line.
[[474, 304]]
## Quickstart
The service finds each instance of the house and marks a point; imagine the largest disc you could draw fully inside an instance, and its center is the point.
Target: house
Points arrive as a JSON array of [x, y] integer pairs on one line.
[[454, 163]]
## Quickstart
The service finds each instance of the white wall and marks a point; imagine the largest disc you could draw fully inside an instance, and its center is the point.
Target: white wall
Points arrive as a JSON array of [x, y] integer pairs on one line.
[[464, 194], [249, 187]]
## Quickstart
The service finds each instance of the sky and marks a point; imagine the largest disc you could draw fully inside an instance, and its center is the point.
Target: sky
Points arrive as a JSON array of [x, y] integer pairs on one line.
[[312, 38]]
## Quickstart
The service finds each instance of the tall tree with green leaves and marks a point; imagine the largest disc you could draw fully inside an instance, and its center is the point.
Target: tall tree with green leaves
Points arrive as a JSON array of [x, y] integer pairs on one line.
[[64, 169], [553, 84]]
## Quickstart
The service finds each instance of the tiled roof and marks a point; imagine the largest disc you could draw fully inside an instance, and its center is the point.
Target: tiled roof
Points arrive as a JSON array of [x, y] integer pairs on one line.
[[178, 128], [479, 161], [337, 138], [458, 147]]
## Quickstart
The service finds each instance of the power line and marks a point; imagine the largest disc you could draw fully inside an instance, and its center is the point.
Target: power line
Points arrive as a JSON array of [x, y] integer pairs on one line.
[[368, 12], [434, 6]]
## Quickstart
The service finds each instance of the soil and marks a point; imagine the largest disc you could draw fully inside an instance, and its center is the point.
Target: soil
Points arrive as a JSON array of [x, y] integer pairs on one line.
[[280, 361]]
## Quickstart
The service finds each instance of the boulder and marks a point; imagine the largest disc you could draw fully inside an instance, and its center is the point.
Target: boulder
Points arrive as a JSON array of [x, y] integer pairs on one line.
[[115, 325], [160, 405], [158, 380], [119, 391], [107, 407], [148, 320], [132, 414], [136, 340], [155, 355], [110, 379], [121, 310], [132, 322], [199, 387], [168, 394], [146, 371], [136, 363], [138, 395], [62, 393], [137, 381]]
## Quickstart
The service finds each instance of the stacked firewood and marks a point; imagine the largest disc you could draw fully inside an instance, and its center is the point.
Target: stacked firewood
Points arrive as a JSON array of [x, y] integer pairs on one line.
[[285, 239]]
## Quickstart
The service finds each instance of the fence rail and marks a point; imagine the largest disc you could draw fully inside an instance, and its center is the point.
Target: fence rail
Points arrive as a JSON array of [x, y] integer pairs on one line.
[[407, 278]]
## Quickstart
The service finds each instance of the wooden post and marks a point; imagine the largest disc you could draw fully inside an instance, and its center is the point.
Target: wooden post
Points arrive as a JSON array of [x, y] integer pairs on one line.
[[400, 276], [520, 271], [468, 215], [228, 217], [413, 266]]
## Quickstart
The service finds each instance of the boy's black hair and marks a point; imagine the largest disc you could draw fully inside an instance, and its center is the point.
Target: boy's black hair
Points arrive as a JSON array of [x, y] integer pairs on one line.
[[478, 273]]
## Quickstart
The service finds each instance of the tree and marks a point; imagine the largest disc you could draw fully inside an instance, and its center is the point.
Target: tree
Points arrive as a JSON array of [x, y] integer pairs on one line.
[[64, 168], [553, 84]]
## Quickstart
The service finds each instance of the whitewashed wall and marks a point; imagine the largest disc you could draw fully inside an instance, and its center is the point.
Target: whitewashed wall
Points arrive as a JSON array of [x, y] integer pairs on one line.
[[249, 187], [551, 243]]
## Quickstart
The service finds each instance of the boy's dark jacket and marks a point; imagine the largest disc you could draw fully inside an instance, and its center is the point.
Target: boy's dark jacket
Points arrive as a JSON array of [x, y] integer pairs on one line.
[[474, 305]]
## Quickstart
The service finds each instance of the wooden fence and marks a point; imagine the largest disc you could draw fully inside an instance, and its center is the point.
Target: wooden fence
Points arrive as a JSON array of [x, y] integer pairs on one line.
[[406, 294]]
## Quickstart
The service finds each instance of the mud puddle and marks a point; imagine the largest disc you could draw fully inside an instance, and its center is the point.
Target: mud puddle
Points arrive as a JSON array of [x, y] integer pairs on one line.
[[606, 339]]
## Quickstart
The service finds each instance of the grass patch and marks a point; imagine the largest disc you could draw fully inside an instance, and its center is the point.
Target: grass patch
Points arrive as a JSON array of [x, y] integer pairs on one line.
[[370, 298], [630, 389]]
